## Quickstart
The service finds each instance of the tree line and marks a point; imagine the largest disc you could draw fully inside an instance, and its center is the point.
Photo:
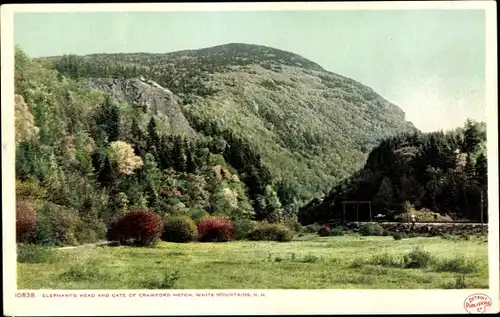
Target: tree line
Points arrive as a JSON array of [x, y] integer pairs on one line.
[[442, 172]]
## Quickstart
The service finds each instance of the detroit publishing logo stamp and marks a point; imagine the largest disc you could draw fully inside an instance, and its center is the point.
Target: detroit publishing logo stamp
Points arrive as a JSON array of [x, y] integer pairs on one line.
[[477, 303]]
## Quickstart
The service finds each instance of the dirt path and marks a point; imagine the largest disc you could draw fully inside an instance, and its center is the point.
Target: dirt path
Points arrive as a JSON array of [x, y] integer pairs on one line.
[[89, 245]]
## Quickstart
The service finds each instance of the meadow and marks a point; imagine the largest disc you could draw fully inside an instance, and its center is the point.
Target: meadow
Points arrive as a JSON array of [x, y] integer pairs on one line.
[[308, 262]]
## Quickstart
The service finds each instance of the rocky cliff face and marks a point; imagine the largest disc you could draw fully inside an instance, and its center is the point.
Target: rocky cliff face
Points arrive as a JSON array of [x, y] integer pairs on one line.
[[149, 96]]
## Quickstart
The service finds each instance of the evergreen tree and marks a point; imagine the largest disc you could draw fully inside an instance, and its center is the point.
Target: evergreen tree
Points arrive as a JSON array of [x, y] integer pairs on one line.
[[137, 138], [385, 195], [471, 136], [108, 120], [482, 170], [179, 156], [105, 175], [191, 163], [270, 206], [165, 153], [153, 138]]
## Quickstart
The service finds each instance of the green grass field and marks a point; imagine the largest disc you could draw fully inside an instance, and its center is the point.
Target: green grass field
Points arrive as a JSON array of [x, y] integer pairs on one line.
[[308, 262]]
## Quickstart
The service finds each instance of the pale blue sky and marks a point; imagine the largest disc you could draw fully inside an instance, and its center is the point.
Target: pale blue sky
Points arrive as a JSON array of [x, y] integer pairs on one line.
[[430, 63]]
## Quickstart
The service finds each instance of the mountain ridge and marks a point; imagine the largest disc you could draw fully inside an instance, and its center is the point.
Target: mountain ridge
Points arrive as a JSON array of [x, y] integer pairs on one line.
[[311, 125], [222, 47]]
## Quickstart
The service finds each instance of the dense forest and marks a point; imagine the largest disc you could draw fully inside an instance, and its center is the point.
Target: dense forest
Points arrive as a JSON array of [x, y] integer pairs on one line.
[[261, 140], [444, 175]]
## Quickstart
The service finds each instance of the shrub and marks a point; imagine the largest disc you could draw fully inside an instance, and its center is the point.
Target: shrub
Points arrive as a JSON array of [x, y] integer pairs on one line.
[[397, 235], [30, 253], [324, 231], [29, 189], [54, 224], [337, 232], [424, 214], [215, 229], [25, 222], [312, 228], [271, 232], [417, 258], [89, 230], [242, 228], [293, 225], [179, 229], [385, 259], [458, 264], [140, 227], [371, 229]]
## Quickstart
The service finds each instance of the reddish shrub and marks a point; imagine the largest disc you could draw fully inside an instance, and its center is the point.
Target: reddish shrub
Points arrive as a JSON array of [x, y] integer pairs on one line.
[[214, 229], [25, 222], [324, 231], [139, 227]]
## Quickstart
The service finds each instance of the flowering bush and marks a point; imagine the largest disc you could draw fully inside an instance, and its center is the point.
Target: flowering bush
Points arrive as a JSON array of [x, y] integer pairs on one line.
[[140, 227], [179, 229], [25, 222], [122, 157], [215, 229]]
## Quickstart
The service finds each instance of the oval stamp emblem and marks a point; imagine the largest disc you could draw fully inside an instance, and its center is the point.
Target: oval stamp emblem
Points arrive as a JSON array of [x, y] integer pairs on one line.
[[477, 303]]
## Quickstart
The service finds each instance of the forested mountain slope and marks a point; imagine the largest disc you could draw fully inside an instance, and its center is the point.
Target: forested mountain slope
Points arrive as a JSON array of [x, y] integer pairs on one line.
[[310, 127], [237, 130]]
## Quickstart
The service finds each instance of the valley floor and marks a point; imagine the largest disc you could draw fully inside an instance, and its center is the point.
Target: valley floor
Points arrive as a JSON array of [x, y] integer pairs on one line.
[[308, 262]]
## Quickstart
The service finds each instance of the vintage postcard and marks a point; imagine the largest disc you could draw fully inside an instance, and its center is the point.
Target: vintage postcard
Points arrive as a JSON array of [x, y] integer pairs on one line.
[[250, 158]]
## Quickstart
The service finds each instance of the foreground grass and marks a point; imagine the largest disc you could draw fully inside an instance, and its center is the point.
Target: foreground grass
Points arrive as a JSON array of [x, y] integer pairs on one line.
[[310, 262]]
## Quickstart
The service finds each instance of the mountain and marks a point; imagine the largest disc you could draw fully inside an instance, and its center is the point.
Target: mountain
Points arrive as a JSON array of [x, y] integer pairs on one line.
[[241, 131], [311, 127]]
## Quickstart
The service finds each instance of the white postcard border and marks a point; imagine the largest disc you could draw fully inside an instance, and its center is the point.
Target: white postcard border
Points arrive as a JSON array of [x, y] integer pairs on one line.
[[128, 302]]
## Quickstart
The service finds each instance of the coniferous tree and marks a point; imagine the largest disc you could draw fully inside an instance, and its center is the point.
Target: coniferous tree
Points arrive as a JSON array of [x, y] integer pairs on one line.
[[270, 207], [191, 163], [482, 170], [165, 157], [137, 138], [385, 195], [108, 120], [105, 175], [153, 138], [179, 156]]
